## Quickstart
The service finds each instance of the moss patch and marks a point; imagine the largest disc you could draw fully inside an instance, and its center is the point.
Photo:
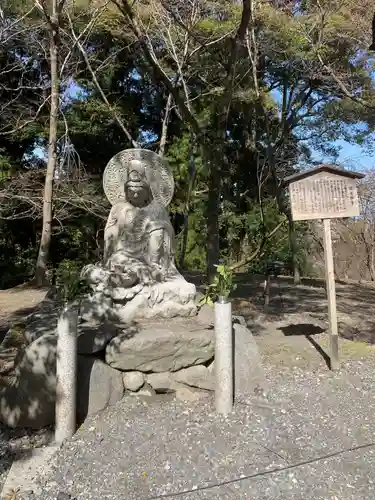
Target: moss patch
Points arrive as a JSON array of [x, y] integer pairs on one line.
[[349, 349], [16, 336]]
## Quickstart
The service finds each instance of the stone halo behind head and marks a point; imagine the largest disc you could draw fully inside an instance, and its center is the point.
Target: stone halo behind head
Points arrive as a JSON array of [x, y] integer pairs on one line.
[[158, 173]]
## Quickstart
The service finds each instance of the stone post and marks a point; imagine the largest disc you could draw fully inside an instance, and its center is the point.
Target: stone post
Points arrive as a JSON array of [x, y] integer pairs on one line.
[[66, 374], [223, 356]]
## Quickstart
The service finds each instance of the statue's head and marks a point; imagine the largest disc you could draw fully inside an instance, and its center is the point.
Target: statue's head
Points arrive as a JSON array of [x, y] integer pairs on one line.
[[137, 188], [138, 176]]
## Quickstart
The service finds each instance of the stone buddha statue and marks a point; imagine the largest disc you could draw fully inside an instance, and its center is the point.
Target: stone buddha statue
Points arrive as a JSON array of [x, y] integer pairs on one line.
[[138, 277]]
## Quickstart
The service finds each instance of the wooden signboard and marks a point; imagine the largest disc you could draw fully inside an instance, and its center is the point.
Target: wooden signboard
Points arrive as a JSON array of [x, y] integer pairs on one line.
[[325, 192]]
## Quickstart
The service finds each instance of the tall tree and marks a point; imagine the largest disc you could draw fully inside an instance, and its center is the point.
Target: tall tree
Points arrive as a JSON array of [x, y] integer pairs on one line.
[[212, 134], [52, 15]]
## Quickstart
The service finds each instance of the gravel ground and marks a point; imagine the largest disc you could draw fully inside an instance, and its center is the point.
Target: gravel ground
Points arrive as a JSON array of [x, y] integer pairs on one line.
[[15, 443], [298, 444], [301, 443]]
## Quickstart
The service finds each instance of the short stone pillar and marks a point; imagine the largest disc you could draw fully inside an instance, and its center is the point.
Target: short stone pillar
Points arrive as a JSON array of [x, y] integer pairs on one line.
[[66, 374], [223, 356]]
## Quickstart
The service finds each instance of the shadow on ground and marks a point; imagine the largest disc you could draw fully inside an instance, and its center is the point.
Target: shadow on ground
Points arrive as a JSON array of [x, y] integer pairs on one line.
[[355, 303], [307, 330], [18, 444], [7, 457]]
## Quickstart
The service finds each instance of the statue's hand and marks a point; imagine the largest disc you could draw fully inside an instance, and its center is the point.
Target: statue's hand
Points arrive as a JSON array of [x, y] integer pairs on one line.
[[123, 279], [157, 273]]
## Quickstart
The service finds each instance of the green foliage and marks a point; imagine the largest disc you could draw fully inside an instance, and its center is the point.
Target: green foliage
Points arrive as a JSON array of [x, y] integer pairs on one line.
[[195, 258], [244, 230], [5, 165], [17, 253], [291, 40], [70, 286], [221, 286]]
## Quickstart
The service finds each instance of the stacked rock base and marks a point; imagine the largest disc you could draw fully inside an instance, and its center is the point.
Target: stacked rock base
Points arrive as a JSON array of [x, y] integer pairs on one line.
[[112, 359], [147, 358]]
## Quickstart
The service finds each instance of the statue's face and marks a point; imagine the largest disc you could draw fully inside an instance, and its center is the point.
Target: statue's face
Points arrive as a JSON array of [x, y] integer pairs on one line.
[[137, 189]]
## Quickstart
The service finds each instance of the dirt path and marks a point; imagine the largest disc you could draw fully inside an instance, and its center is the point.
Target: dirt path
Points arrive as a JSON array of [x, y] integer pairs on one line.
[[16, 304], [293, 332]]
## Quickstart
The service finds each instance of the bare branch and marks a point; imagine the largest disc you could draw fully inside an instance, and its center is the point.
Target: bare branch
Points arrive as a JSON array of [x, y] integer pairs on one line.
[[17, 128], [342, 85], [257, 252], [127, 11], [96, 81], [237, 42], [164, 129]]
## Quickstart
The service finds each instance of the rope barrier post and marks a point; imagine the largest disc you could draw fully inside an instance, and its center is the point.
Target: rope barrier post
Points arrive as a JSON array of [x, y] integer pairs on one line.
[[223, 356], [66, 374]]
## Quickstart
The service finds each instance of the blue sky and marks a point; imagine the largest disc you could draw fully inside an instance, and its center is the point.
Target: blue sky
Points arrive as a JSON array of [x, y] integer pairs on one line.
[[353, 157]]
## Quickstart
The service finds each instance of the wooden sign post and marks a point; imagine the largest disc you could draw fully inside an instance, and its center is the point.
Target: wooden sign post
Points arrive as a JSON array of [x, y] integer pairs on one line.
[[331, 295], [325, 192]]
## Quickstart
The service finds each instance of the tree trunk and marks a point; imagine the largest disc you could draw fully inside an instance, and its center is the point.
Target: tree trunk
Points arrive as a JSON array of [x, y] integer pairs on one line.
[[164, 128], [212, 220], [293, 250], [192, 175], [370, 260], [372, 268], [45, 241], [185, 233], [372, 257]]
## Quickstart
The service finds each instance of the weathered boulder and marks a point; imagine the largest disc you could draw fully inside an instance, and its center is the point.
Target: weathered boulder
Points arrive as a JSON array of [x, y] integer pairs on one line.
[[93, 335], [95, 307], [249, 376], [206, 316], [30, 401], [146, 390], [133, 381], [190, 394], [162, 382], [43, 321], [99, 386], [162, 347], [196, 376]]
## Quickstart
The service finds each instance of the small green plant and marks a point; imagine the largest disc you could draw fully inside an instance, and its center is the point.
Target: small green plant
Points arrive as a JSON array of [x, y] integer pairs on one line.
[[222, 285], [70, 286]]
